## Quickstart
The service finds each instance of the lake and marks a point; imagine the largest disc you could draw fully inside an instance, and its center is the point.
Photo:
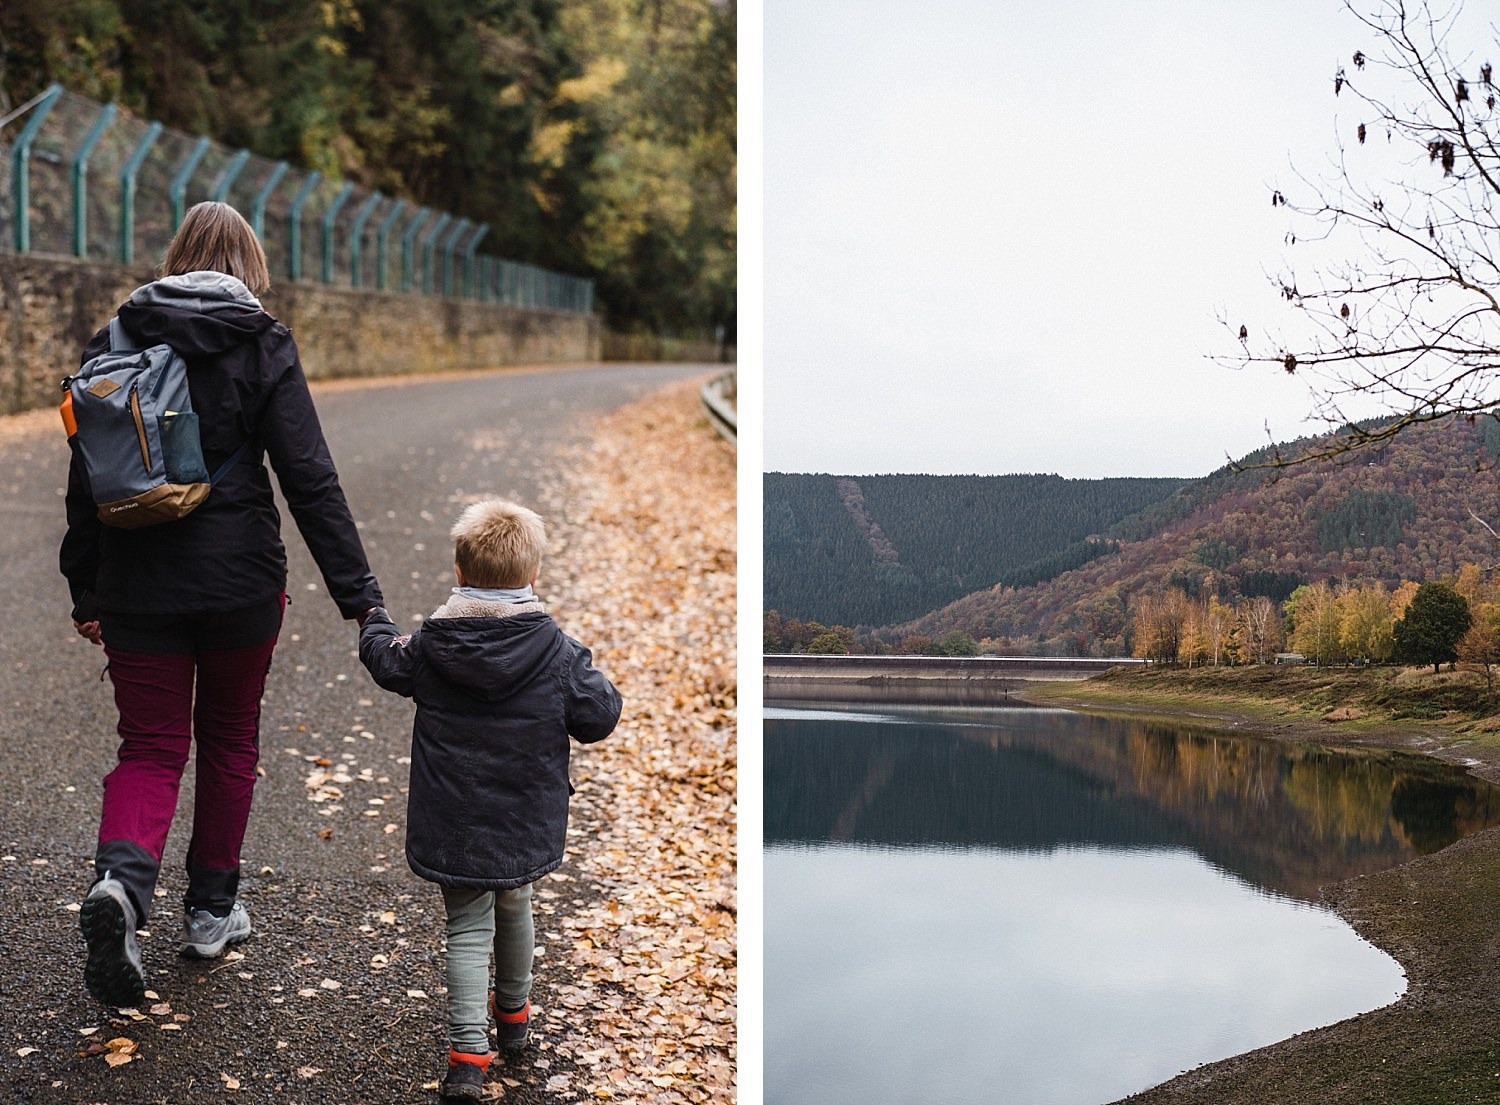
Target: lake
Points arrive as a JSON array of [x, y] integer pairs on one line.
[[1043, 907]]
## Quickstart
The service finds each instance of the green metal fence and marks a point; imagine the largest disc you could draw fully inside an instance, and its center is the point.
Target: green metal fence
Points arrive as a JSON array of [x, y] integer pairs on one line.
[[88, 180]]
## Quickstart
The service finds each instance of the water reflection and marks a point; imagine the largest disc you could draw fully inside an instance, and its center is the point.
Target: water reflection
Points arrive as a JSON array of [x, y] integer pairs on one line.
[[1021, 905], [974, 977], [1290, 818]]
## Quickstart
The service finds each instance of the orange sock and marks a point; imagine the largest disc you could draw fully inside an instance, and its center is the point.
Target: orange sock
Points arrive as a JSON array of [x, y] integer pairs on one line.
[[518, 1017]]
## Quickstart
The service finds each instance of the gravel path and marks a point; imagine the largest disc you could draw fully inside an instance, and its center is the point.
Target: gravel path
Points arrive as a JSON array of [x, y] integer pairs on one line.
[[338, 997]]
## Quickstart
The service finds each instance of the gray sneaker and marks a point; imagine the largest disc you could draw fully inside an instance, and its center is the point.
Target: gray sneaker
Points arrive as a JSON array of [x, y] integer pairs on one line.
[[206, 936], [113, 972]]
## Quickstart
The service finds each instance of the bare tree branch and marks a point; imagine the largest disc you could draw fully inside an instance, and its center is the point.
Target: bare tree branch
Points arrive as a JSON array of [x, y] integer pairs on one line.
[[1401, 304]]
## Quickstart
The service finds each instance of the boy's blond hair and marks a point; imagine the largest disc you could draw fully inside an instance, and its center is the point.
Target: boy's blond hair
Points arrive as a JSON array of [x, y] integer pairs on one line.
[[498, 544]]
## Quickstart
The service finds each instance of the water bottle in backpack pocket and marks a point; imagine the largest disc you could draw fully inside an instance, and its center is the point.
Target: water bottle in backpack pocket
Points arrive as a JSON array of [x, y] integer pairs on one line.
[[129, 416]]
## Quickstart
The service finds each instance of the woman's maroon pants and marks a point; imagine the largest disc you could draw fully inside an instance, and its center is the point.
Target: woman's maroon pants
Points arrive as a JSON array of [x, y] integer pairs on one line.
[[179, 681]]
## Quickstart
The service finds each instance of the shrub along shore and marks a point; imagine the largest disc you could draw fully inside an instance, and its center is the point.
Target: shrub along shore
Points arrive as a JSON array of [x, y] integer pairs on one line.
[[1436, 915]]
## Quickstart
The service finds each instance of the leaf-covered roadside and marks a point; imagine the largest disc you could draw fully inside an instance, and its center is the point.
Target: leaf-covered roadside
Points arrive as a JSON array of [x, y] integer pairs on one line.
[[339, 996], [642, 569]]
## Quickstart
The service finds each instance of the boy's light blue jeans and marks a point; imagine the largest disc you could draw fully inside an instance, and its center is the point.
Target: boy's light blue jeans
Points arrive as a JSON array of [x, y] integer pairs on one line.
[[479, 921]]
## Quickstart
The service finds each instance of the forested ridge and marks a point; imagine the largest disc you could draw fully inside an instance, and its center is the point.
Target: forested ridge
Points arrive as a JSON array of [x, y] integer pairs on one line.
[[596, 137], [1414, 510], [872, 550], [1066, 566]]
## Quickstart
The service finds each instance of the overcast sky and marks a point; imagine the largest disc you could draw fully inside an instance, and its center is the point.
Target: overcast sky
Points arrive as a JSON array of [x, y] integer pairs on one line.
[[999, 236]]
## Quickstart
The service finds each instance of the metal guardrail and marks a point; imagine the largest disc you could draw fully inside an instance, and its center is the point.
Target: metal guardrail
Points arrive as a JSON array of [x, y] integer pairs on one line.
[[718, 397], [92, 181]]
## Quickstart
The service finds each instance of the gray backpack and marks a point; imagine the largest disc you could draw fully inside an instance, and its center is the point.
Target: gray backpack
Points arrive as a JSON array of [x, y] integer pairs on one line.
[[129, 414]]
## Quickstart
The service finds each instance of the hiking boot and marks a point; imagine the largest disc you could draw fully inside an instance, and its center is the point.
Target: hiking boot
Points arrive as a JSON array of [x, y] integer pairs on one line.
[[465, 1078], [512, 1027], [206, 936], [113, 972]]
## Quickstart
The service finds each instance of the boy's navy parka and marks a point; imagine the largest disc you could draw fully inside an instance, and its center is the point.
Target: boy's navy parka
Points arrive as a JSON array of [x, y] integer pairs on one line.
[[499, 691]]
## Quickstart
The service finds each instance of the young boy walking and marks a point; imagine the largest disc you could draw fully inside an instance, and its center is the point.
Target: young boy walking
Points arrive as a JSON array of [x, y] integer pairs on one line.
[[499, 689]]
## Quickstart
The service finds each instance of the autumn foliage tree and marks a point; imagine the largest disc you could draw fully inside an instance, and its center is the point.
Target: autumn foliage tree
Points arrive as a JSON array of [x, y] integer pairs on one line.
[[1314, 619], [1477, 649], [1365, 622], [1157, 625], [1259, 624], [1206, 633]]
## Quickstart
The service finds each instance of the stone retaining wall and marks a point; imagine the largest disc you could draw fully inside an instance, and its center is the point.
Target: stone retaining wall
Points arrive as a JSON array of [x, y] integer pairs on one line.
[[647, 347], [51, 306]]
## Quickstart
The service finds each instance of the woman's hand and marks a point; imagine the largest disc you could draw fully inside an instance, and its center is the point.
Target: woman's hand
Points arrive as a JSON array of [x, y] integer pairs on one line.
[[89, 631]]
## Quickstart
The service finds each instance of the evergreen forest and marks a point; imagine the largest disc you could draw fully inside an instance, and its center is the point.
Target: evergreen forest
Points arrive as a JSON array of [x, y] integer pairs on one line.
[[873, 550], [596, 137]]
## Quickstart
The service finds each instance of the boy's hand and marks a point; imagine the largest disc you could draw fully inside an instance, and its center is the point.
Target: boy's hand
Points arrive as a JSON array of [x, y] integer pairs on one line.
[[89, 631], [383, 652], [362, 618]]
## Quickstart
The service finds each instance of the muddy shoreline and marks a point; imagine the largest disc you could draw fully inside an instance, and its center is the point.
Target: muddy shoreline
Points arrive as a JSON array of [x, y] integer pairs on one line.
[[1438, 916]]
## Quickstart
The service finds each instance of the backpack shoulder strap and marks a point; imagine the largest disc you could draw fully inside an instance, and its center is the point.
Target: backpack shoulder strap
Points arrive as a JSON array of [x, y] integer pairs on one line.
[[119, 341], [233, 459]]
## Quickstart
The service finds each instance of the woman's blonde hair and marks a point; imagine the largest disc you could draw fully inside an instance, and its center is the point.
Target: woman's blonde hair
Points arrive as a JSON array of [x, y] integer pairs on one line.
[[214, 237], [498, 544]]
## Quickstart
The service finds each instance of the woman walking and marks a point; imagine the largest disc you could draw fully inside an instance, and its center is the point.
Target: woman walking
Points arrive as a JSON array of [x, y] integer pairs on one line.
[[188, 611]]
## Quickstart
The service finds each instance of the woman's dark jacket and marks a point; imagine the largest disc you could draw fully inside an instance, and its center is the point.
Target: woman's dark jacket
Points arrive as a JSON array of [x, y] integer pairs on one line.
[[246, 383], [498, 695]]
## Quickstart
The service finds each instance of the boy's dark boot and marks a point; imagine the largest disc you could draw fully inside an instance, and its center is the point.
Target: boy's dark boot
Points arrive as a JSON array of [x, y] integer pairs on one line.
[[465, 1078], [512, 1026]]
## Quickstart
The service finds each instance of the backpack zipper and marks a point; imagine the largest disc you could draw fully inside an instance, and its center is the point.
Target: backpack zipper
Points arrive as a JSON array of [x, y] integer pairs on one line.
[[140, 427]]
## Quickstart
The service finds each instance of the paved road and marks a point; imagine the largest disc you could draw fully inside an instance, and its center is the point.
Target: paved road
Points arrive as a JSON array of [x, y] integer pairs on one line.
[[322, 1006]]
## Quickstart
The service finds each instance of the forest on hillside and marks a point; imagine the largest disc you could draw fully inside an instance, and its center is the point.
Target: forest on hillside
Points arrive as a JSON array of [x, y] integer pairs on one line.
[[596, 137], [1415, 510], [873, 550]]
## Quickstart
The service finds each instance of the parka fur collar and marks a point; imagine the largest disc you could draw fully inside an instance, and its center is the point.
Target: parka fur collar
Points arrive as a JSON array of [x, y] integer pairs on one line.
[[461, 606]]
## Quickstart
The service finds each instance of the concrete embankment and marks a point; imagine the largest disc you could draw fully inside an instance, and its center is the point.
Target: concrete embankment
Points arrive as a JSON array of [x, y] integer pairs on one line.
[[963, 681]]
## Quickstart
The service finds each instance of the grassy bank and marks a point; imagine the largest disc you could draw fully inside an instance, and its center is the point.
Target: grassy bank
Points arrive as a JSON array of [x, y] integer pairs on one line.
[[1436, 915], [1399, 706]]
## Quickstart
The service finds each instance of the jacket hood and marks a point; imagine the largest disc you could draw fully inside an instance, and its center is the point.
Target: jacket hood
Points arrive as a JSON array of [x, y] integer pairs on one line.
[[197, 313], [491, 658]]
